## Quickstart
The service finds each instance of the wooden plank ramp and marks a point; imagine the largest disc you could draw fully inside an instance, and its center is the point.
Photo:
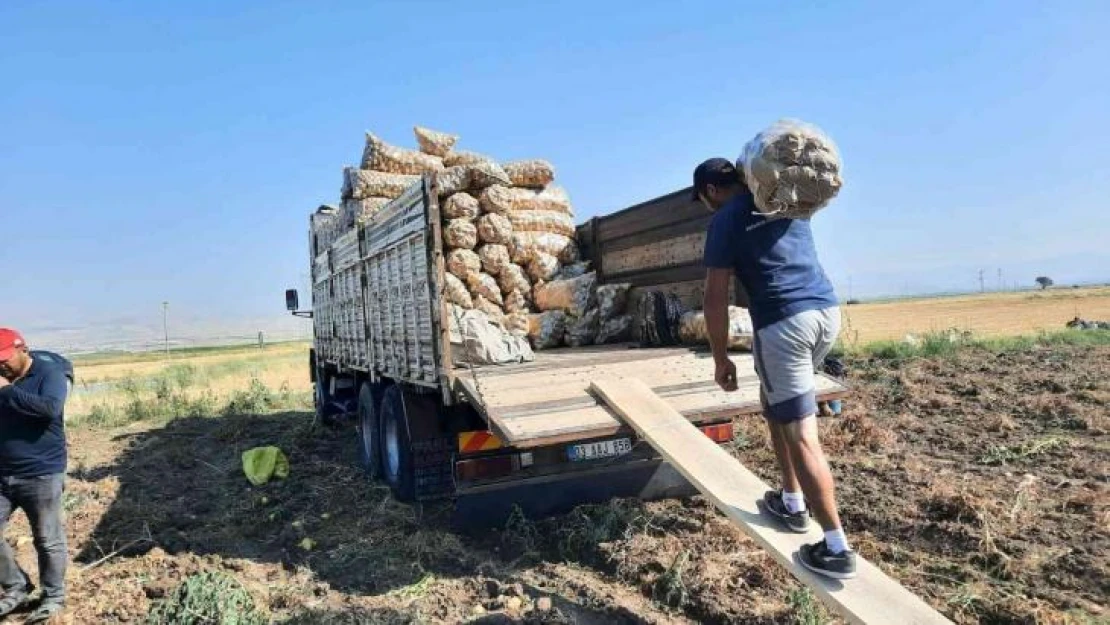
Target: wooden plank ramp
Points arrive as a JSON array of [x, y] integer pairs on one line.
[[869, 599]]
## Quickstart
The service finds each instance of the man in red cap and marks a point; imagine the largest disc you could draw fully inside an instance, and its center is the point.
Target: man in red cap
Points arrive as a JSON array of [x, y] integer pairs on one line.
[[32, 472]]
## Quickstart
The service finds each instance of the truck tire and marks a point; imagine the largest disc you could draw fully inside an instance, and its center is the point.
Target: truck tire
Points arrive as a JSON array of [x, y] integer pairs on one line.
[[369, 430], [396, 446]]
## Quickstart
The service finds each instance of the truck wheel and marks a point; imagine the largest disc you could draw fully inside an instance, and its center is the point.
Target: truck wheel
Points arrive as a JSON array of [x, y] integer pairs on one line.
[[396, 446], [369, 431]]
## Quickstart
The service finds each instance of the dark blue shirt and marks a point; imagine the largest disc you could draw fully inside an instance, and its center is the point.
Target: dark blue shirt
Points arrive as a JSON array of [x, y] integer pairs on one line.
[[774, 259], [32, 423]]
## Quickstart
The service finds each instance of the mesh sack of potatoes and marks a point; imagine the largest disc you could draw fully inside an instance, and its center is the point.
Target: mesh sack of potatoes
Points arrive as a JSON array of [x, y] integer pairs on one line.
[[462, 157], [615, 330], [530, 173], [486, 285], [517, 323], [500, 199], [460, 233], [692, 329], [434, 142], [363, 183], [542, 221], [546, 330], [465, 264], [461, 206], [495, 229], [456, 292], [612, 299], [381, 156], [494, 258], [553, 198], [513, 278], [792, 168], [485, 174], [574, 296], [493, 310], [517, 302], [525, 245], [582, 331], [362, 211], [453, 180], [543, 267]]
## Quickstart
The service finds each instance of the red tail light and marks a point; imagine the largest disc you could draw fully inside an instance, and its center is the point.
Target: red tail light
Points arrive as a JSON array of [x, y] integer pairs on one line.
[[720, 433]]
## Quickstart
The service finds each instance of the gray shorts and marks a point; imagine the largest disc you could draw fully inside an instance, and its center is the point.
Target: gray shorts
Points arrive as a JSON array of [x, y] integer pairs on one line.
[[787, 356]]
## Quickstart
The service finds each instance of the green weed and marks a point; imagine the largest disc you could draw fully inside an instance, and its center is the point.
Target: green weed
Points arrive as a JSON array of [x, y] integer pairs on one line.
[[806, 610], [208, 598], [1002, 454], [670, 589]]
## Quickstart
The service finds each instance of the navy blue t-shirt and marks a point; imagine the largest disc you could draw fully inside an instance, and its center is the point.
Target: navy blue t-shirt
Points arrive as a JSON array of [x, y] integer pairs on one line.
[[32, 423], [774, 259]]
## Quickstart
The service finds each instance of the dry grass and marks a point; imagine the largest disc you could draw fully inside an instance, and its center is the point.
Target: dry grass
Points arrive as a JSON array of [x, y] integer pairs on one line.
[[990, 315]]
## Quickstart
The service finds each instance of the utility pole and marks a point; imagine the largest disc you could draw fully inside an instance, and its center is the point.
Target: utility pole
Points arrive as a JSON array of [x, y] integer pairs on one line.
[[1000, 282], [166, 326], [982, 285]]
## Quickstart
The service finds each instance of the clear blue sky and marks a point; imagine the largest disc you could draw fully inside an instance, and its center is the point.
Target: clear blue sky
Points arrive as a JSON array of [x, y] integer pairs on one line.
[[172, 151]]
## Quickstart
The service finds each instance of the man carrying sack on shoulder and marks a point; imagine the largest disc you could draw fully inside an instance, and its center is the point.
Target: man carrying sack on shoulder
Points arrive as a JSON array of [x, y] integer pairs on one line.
[[32, 473], [796, 318]]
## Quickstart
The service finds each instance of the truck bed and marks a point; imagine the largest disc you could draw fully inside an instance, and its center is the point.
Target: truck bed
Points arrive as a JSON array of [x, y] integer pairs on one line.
[[547, 401]]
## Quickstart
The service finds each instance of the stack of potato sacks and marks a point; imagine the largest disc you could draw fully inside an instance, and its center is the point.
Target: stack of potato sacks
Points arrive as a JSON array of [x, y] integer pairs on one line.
[[508, 234]]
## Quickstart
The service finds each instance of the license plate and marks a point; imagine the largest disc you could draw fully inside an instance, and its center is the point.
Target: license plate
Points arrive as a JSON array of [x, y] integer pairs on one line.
[[600, 449]]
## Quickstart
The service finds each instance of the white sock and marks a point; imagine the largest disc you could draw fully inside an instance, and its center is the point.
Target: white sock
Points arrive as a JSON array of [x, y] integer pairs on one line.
[[836, 541], [794, 502]]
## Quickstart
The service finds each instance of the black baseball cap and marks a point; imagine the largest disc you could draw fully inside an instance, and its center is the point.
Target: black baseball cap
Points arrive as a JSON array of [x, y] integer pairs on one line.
[[715, 171]]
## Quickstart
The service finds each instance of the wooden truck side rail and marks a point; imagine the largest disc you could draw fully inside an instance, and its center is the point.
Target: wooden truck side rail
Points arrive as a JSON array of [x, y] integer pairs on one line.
[[377, 295]]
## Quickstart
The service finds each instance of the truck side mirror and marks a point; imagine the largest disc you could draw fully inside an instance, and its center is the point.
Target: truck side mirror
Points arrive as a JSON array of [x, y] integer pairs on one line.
[[292, 300]]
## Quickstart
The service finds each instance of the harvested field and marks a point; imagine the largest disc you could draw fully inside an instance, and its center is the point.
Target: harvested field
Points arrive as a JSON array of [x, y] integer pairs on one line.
[[990, 315], [977, 478]]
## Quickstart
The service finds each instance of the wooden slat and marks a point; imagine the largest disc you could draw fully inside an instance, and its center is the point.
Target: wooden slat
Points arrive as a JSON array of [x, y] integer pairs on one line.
[[871, 598], [674, 250]]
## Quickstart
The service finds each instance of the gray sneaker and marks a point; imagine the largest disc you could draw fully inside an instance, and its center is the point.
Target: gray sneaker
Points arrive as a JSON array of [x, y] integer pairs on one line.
[[13, 600], [46, 610], [820, 560], [797, 522]]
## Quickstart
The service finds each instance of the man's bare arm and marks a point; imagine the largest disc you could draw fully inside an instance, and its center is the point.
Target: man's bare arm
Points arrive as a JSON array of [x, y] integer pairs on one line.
[[715, 306]]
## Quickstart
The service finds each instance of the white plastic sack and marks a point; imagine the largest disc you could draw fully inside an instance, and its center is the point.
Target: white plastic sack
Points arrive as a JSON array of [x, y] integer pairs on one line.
[[494, 258], [574, 296], [362, 183], [478, 340], [693, 331], [381, 156], [461, 233], [612, 299], [434, 142], [461, 206], [495, 229], [792, 168], [530, 173]]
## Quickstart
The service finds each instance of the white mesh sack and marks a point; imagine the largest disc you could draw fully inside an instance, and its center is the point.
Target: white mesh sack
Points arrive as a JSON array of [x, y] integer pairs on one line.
[[542, 221], [693, 330], [512, 278], [434, 142], [363, 183], [525, 245], [516, 323], [460, 233], [530, 173], [465, 264], [485, 285], [543, 267], [381, 156], [552, 198], [494, 258], [461, 206], [488, 307], [516, 302], [462, 157], [573, 270], [360, 212], [792, 168], [494, 228], [456, 293], [485, 174], [453, 180]]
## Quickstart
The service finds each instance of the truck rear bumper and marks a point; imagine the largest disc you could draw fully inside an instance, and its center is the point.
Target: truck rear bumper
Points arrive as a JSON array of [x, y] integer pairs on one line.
[[490, 505]]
